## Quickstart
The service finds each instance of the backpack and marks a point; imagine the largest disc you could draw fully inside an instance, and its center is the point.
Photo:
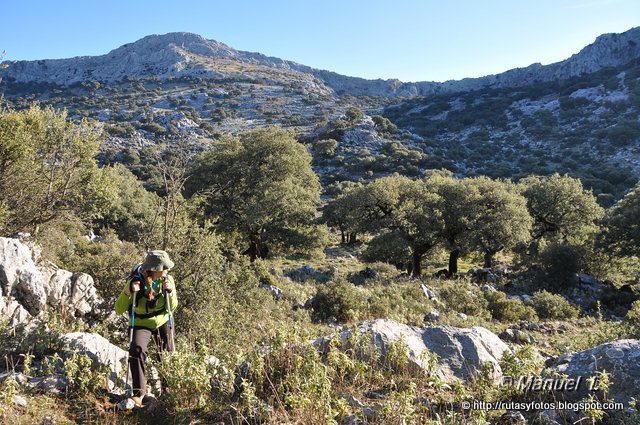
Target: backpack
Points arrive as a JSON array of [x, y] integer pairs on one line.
[[138, 275]]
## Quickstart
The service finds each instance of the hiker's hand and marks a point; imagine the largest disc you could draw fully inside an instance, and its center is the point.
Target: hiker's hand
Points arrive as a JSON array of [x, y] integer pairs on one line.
[[133, 287], [167, 285]]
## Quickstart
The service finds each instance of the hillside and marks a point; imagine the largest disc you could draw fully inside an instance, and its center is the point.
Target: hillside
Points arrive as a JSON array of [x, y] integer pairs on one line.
[[578, 116], [315, 264], [588, 126]]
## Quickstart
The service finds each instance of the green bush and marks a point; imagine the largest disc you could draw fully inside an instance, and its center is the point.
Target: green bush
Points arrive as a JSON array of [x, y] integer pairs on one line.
[[464, 298], [633, 315], [553, 306], [508, 310], [560, 264], [339, 300], [400, 301], [188, 375]]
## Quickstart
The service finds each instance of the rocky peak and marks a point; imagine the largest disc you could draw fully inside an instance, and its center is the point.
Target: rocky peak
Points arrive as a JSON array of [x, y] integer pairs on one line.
[[182, 54], [179, 42]]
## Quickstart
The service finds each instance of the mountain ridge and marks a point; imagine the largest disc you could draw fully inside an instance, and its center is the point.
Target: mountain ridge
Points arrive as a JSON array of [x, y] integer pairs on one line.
[[187, 54]]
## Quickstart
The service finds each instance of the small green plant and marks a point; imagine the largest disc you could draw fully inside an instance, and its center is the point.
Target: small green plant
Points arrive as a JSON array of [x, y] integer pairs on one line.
[[82, 375], [593, 414], [188, 376], [26, 363], [633, 316], [8, 390]]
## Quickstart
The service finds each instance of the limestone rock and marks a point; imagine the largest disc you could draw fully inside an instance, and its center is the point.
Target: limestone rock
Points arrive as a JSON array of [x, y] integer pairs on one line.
[[100, 350], [620, 359], [28, 289], [13, 311], [20, 378], [52, 384], [273, 290], [126, 404], [302, 274], [432, 316], [428, 292], [461, 352]]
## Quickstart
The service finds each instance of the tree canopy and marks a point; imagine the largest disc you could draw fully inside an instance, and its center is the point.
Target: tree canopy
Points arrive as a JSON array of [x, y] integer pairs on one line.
[[400, 209], [621, 224], [500, 216], [561, 208], [47, 168], [262, 187]]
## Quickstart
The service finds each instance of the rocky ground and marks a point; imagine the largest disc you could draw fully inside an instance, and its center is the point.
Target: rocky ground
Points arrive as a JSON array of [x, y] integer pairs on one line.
[[450, 355]]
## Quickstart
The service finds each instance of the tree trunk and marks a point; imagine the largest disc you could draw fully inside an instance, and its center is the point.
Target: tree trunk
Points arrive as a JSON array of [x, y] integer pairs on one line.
[[252, 251], [353, 237], [488, 259], [453, 262], [343, 238], [416, 262]]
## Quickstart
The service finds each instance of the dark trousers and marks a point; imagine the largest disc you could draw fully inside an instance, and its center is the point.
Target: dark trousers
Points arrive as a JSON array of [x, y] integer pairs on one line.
[[138, 352]]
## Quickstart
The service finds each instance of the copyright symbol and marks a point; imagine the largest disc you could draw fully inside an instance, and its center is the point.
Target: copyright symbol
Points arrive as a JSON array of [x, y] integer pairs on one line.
[[466, 405]]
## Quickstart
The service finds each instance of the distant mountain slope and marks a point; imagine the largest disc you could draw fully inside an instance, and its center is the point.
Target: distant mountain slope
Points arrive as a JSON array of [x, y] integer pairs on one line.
[[588, 126], [186, 54], [579, 116]]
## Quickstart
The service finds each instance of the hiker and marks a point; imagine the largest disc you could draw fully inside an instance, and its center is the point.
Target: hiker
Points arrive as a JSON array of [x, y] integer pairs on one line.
[[147, 284]]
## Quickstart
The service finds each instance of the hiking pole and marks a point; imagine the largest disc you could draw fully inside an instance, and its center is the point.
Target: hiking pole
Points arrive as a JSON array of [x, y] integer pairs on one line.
[[133, 320], [168, 305]]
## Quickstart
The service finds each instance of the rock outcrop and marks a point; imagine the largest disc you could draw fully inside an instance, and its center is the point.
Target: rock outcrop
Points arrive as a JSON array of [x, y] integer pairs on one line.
[[29, 289], [619, 359], [462, 353]]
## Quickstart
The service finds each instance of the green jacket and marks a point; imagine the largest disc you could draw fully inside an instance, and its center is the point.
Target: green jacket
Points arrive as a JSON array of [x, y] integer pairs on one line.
[[157, 315]]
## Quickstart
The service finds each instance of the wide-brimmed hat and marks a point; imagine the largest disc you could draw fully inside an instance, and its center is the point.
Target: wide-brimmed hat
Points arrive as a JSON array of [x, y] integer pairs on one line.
[[157, 261]]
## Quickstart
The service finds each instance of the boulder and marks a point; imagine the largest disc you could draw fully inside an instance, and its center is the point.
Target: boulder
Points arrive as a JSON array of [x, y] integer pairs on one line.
[[488, 288], [83, 294], [428, 292], [13, 311], [29, 289], [19, 276], [620, 359], [516, 336], [20, 378], [19, 401], [51, 384], [589, 282], [100, 350], [126, 404], [432, 316], [302, 274], [273, 290], [461, 352], [15, 257], [75, 291]]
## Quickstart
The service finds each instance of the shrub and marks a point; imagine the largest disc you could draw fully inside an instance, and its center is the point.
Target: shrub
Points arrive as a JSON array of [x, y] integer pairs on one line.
[[560, 264], [339, 300], [465, 298], [83, 375], [403, 302], [188, 376], [633, 315], [325, 148], [553, 306], [508, 310]]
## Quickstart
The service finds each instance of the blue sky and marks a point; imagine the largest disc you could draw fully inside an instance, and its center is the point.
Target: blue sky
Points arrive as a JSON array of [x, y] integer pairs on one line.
[[413, 40]]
